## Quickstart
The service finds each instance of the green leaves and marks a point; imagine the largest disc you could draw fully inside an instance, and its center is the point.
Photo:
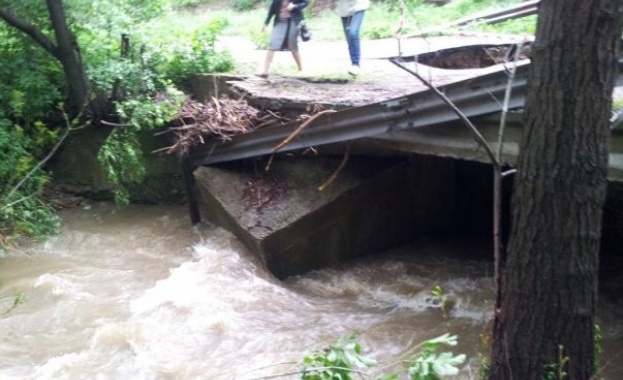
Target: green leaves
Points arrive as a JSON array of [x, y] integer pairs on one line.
[[429, 365], [197, 54], [121, 155], [337, 362], [22, 213], [340, 361]]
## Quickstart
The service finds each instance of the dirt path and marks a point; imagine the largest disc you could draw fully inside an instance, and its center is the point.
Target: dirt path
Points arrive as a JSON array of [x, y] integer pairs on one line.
[[324, 79]]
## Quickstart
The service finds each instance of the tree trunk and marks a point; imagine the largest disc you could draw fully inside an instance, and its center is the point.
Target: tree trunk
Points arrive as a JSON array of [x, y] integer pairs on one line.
[[68, 53], [65, 50], [549, 289]]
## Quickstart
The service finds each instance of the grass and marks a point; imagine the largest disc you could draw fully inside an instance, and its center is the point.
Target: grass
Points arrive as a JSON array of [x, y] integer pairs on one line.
[[242, 29], [381, 20]]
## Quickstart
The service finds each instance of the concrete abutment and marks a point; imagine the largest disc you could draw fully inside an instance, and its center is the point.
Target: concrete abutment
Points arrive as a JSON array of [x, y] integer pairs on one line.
[[372, 205]]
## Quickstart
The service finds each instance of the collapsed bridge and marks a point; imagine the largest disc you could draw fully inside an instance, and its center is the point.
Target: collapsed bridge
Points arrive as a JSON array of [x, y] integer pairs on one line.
[[376, 202]]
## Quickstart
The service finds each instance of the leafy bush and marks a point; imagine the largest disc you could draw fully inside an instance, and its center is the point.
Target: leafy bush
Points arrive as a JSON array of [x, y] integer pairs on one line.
[[260, 39], [150, 112], [197, 55], [128, 68], [121, 154], [186, 3], [244, 5], [22, 212], [26, 69], [143, 84]]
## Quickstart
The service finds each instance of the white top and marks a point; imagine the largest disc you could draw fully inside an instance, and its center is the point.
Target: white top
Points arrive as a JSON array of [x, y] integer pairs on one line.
[[345, 8]]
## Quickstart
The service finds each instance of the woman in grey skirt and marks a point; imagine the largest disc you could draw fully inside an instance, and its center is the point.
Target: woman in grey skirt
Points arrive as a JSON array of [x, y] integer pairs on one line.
[[288, 15]]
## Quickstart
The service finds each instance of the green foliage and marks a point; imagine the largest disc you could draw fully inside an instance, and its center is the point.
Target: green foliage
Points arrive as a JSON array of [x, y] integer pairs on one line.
[[121, 156], [186, 3], [147, 112], [485, 367], [26, 69], [429, 365], [244, 5], [383, 18], [238, 5], [440, 298], [599, 350], [525, 25], [336, 362], [133, 72], [142, 83], [113, 16], [22, 213], [381, 21], [197, 54], [557, 371], [339, 361], [260, 39]]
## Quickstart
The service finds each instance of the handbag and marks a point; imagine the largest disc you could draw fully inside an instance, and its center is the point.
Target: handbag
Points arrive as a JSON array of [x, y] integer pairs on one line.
[[304, 32]]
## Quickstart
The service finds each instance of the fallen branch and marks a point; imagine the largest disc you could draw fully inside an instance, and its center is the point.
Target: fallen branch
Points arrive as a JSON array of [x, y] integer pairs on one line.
[[470, 126], [111, 124], [337, 171], [294, 134], [498, 175], [217, 118], [495, 162]]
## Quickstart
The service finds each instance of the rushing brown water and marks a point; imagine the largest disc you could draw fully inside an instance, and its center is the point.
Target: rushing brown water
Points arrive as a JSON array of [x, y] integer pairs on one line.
[[135, 293]]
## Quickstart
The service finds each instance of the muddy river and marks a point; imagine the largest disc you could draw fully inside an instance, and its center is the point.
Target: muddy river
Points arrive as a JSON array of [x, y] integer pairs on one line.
[[135, 293]]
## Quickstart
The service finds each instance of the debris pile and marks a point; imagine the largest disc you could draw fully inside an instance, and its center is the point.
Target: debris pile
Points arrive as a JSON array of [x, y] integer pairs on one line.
[[222, 119]]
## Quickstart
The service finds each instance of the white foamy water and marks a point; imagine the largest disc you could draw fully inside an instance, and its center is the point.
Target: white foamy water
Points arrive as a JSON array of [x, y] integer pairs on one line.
[[136, 293]]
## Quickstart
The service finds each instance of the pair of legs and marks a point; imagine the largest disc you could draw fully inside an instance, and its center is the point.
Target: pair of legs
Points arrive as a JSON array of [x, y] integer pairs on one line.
[[283, 38], [352, 26], [269, 59]]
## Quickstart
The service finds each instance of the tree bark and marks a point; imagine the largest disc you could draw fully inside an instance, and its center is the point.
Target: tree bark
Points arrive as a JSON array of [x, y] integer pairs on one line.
[[549, 288], [68, 54], [64, 48]]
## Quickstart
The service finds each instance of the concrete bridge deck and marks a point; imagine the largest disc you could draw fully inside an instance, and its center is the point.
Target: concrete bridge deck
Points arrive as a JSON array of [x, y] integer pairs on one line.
[[419, 123], [376, 203]]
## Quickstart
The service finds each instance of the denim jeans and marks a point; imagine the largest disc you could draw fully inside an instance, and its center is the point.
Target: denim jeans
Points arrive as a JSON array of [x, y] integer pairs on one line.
[[352, 25]]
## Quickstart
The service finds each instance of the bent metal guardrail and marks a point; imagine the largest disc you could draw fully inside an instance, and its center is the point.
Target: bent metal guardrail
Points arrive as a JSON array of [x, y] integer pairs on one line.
[[475, 96]]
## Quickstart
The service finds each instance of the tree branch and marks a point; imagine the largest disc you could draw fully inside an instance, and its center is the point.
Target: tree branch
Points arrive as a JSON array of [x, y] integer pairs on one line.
[[507, 97], [338, 170], [494, 157], [293, 135], [44, 160], [477, 135], [29, 30]]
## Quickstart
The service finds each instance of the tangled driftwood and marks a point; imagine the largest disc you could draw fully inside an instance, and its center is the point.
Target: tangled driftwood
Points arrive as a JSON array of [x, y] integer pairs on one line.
[[217, 118]]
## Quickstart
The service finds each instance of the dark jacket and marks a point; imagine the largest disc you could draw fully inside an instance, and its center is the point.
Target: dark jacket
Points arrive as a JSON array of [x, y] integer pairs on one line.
[[297, 12]]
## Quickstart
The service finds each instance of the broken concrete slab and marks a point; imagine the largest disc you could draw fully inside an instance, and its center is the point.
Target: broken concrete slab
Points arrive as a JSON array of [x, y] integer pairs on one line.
[[372, 205]]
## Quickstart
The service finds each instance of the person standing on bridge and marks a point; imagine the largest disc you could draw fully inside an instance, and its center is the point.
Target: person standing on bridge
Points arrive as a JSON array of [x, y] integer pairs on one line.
[[288, 15], [351, 12]]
